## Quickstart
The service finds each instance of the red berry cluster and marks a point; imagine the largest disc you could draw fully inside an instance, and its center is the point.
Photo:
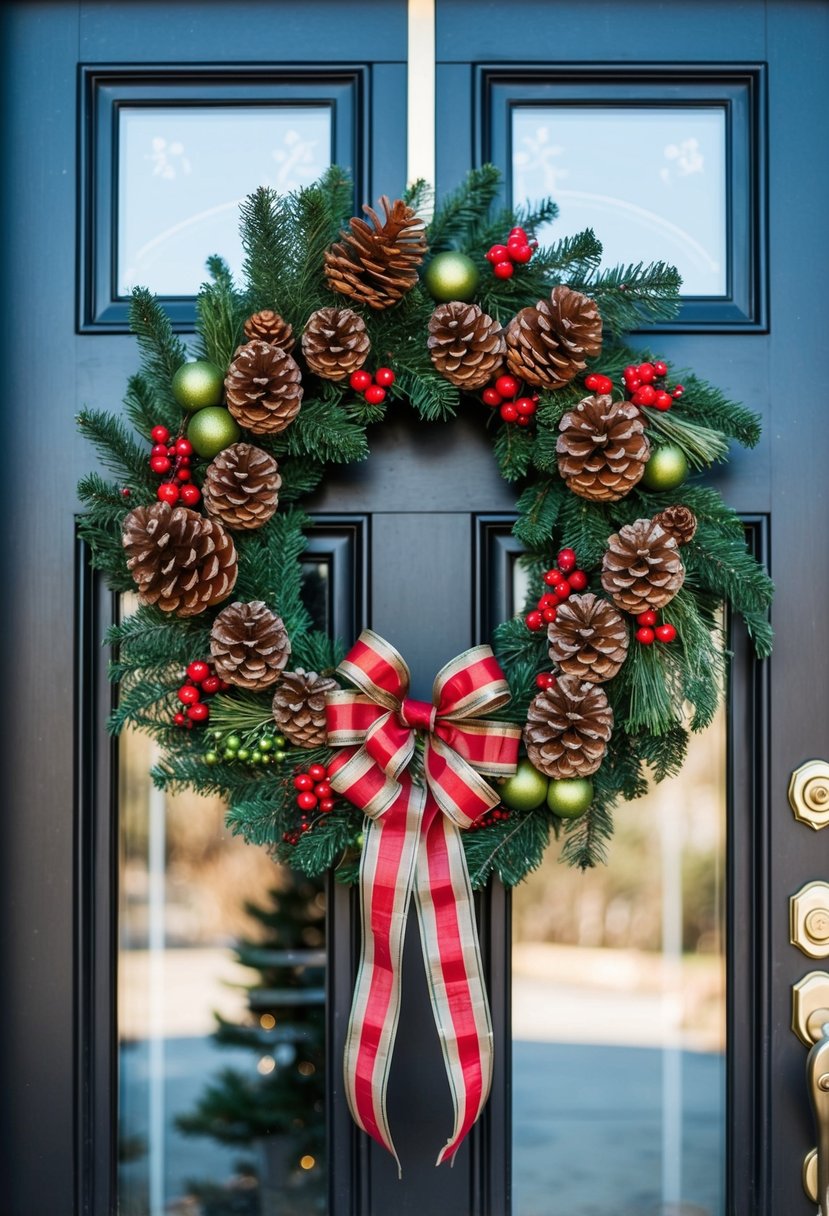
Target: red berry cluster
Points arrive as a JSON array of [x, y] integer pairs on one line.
[[313, 793], [562, 579], [498, 814], [201, 681], [504, 393], [598, 384], [171, 460], [373, 387], [645, 385], [649, 632], [518, 250]]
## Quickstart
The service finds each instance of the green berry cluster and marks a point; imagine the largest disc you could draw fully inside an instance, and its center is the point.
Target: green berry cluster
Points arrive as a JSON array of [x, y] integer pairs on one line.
[[257, 751]]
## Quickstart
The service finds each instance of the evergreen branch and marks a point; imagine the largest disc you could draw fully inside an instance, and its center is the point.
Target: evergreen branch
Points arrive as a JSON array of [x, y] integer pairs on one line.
[[162, 352], [220, 316], [586, 839], [316, 651], [300, 476], [513, 449], [317, 212], [270, 568], [419, 196], [144, 411], [701, 445], [323, 431], [577, 255], [269, 241], [116, 448], [511, 849], [432, 397], [631, 296], [710, 406], [538, 506], [463, 209], [584, 526]]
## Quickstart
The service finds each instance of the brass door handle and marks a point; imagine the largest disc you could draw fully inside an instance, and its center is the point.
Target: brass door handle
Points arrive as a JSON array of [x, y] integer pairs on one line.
[[817, 1077]]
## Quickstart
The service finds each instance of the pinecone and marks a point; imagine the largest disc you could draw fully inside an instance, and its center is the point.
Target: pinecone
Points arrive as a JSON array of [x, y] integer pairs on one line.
[[602, 449], [179, 560], [588, 639], [466, 346], [335, 343], [241, 487], [263, 387], [641, 567], [249, 645], [268, 326], [567, 728], [299, 707], [376, 263], [679, 522], [548, 345]]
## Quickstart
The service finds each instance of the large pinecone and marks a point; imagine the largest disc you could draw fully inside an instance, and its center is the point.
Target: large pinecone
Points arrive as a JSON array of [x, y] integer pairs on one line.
[[377, 263], [263, 388], [679, 522], [250, 645], [548, 345], [299, 707], [588, 639], [466, 346], [602, 449], [241, 487], [567, 728], [335, 343], [268, 326], [641, 567], [179, 560]]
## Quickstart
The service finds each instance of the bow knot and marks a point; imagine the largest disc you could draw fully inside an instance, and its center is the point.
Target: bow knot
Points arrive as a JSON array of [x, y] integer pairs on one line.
[[419, 715]]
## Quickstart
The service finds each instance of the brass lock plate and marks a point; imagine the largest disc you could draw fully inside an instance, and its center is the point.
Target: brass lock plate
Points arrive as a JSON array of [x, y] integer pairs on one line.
[[809, 793], [810, 1174], [809, 919], [810, 1006]]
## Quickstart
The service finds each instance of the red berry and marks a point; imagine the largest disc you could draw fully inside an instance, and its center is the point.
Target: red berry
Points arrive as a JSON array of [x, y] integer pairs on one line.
[[644, 635], [545, 679], [520, 252], [548, 600], [183, 475], [508, 412], [491, 397], [198, 712], [577, 580], [167, 492], [159, 434], [160, 464], [190, 495], [326, 805], [523, 420], [633, 385], [514, 232], [549, 615], [184, 461], [184, 447], [551, 577], [322, 789], [503, 270], [646, 618], [171, 450], [303, 781], [665, 633], [159, 449], [375, 395], [566, 560], [526, 406], [359, 380], [180, 719], [563, 589], [197, 671], [646, 395], [306, 801], [384, 376], [498, 253], [210, 685], [125, 493], [631, 372], [224, 685], [604, 384], [647, 372], [591, 381], [317, 772], [660, 368], [679, 390], [507, 386], [188, 694], [663, 400], [533, 620]]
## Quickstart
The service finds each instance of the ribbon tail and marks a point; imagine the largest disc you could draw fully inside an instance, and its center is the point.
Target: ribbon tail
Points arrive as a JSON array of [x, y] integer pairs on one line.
[[452, 956], [386, 880]]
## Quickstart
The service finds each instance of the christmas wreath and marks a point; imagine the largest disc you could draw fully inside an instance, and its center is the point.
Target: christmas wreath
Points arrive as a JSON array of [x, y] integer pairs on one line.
[[619, 653]]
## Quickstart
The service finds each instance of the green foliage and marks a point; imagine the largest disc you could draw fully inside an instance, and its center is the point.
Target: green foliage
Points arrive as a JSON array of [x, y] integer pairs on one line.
[[632, 296], [538, 510], [464, 209], [162, 353], [702, 445], [221, 314]]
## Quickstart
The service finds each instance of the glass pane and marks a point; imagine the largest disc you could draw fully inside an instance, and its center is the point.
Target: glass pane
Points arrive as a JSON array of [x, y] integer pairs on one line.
[[650, 181], [182, 172], [619, 1013], [221, 1008], [316, 592]]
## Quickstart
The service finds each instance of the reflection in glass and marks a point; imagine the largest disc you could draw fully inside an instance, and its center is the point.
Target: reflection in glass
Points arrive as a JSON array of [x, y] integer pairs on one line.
[[650, 181], [619, 1012], [221, 1007], [182, 172]]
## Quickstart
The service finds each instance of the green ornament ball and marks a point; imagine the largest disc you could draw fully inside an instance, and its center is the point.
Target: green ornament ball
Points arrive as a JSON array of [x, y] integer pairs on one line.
[[451, 276], [198, 384], [211, 430], [233, 742], [526, 789], [666, 469], [571, 797]]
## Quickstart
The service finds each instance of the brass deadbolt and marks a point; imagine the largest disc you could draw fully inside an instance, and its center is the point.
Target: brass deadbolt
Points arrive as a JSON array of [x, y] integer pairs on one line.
[[810, 1006], [809, 919], [809, 793]]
